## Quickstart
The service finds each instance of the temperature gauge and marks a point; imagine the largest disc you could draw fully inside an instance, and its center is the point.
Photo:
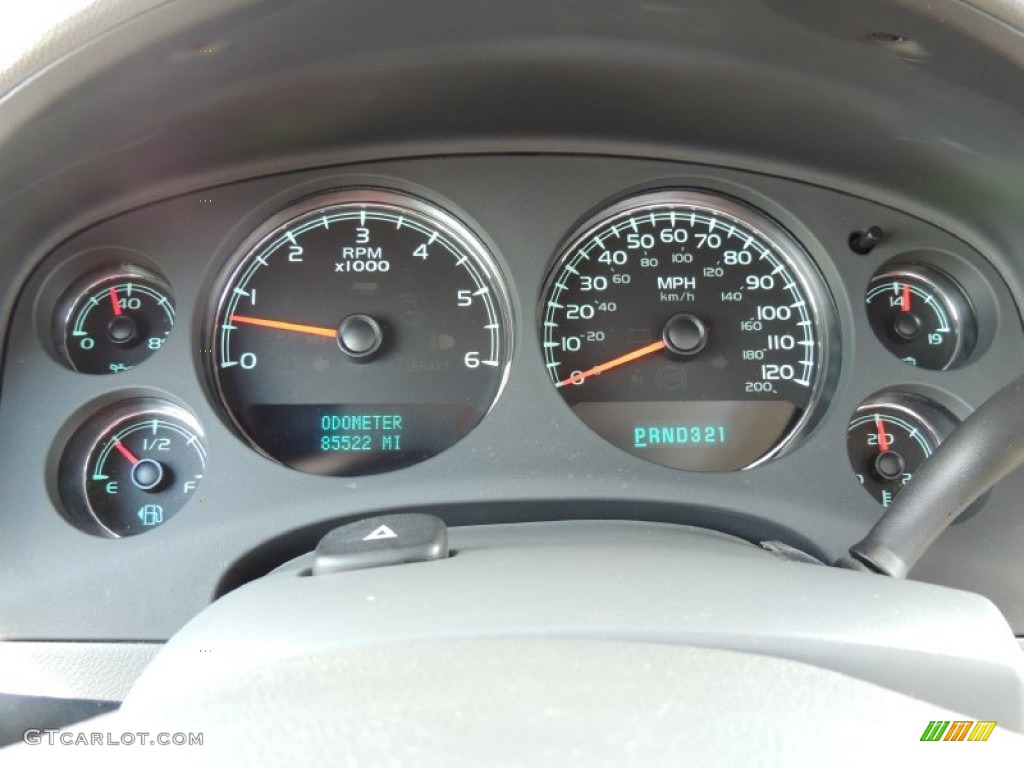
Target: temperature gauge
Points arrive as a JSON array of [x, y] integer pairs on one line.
[[112, 320], [921, 316], [130, 467], [890, 436]]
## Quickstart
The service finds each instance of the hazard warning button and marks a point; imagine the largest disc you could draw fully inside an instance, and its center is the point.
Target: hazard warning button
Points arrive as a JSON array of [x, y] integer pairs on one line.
[[408, 537]]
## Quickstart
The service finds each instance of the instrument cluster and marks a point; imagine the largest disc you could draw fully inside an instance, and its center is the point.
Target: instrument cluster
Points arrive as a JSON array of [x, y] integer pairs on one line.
[[361, 329]]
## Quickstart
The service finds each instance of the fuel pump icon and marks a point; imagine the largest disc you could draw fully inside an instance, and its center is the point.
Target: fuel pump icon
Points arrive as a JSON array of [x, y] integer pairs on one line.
[[151, 515]]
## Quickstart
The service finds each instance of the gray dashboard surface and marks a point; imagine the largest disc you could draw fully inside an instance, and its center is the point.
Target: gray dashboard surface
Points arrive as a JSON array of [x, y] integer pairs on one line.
[[611, 580], [537, 702], [189, 96], [529, 459]]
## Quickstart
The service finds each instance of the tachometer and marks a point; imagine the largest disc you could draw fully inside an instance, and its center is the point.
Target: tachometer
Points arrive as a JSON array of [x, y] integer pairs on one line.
[[359, 332], [688, 330]]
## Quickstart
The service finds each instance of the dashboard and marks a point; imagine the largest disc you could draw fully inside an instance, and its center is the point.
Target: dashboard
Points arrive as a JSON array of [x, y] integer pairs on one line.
[[492, 338], [741, 266]]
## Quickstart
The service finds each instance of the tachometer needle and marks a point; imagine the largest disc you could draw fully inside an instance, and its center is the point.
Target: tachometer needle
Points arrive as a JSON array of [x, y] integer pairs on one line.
[[883, 437], [629, 357], [905, 299], [116, 301], [125, 452], [312, 330]]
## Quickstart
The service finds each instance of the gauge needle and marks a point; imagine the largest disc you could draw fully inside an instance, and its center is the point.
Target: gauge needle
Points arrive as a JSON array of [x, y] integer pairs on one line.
[[905, 300], [125, 452], [312, 330], [115, 301], [629, 357], [883, 437]]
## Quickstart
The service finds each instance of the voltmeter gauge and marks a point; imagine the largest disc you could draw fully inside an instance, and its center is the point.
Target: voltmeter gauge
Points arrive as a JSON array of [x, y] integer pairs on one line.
[[890, 436], [922, 316], [112, 320], [132, 466]]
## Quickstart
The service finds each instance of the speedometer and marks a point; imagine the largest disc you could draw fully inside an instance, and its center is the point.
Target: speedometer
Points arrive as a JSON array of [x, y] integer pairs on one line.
[[687, 329]]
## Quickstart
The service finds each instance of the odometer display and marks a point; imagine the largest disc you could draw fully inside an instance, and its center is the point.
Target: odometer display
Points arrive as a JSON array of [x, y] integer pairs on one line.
[[359, 332], [685, 328]]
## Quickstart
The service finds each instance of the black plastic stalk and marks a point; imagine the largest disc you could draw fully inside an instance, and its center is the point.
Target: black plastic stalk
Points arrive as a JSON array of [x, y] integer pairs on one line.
[[977, 455]]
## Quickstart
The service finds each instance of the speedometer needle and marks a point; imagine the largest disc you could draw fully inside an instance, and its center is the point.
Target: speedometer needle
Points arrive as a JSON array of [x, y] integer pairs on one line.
[[629, 357], [312, 330]]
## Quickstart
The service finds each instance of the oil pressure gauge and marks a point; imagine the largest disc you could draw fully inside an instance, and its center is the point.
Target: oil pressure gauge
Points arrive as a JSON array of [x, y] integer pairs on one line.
[[922, 316], [132, 466], [890, 436], [112, 320]]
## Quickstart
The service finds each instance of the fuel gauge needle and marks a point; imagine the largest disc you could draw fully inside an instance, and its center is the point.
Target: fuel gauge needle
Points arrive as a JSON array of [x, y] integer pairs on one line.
[[629, 357], [280, 325], [125, 452]]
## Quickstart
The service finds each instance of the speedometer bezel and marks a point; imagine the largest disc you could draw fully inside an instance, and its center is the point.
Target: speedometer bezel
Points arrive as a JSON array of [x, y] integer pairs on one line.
[[461, 234], [784, 244]]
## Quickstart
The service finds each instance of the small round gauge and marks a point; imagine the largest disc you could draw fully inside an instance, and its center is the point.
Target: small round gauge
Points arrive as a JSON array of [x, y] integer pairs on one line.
[[688, 330], [359, 332], [112, 320], [890, 436], [922, 316], [132, 466]]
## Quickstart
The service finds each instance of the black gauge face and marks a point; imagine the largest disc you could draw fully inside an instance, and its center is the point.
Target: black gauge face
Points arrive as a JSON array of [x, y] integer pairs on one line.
[[683, 328], [360, 332], [888, 439], [132, 466], [921, 316], [113, 320]]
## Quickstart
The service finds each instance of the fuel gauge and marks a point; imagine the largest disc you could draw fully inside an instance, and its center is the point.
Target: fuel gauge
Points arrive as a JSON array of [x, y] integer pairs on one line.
[[132, 466], [922, 316], [890, 436]]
